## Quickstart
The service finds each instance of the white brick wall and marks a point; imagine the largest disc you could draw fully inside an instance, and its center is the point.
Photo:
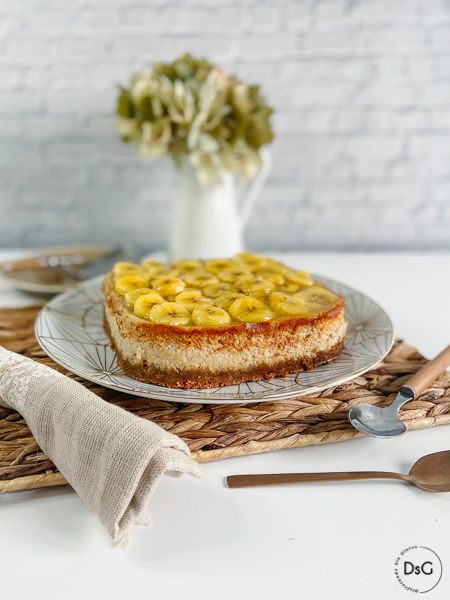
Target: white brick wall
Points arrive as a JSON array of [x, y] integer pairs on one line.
[[361, 90]]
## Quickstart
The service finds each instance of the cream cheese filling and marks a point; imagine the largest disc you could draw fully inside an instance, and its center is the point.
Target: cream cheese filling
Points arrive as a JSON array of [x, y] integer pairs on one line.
[[212, 357]]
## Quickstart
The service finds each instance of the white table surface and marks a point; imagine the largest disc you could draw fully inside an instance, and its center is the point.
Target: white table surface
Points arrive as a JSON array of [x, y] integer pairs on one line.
[[208, 541]]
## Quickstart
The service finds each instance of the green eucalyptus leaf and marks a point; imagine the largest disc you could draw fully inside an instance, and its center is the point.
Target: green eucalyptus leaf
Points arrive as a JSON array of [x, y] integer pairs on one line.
[[125, 108]]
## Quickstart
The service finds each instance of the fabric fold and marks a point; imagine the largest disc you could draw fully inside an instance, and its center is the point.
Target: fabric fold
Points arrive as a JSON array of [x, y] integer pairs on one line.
[[112, 458]]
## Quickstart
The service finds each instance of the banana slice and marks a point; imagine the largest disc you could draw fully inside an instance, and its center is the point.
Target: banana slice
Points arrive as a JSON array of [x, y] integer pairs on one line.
[[189, 295], [192, 299], [200, 279], [300, 278], [170, 313], [250, 310], [291, 306], [131, 282], [210, 316], [257, 287], [275, 277], [150, 264], [317, 295], [227, 299], [271, 264], [121, 269], [217, 289], [252, 261], [153, 268], [219, 264], [125, 268], [288, 288], [133, 295], [187, 266], [233, 275], [145, 303], [168, 286]]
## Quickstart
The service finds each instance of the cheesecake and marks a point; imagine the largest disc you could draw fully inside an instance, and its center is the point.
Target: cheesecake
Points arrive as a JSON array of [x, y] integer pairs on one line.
[[212, 323]]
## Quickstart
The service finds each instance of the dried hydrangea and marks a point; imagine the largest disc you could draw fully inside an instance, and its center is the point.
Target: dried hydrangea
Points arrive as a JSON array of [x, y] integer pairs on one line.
[[192, 109]]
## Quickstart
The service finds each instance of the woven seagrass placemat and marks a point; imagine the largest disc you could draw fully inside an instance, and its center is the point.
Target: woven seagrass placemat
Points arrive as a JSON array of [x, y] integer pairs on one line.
[[220, 431]]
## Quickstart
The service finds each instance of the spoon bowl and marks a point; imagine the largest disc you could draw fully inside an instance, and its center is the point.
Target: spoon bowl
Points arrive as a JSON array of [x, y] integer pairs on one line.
[[432, 472], [376, 421]]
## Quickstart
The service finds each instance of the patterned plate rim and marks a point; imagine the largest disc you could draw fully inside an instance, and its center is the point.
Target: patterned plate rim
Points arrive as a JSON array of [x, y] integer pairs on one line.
[[204, 396]]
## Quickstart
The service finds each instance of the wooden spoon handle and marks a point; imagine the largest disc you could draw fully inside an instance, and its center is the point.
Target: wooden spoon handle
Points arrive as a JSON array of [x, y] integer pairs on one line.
[[431, 371], [238, 481]]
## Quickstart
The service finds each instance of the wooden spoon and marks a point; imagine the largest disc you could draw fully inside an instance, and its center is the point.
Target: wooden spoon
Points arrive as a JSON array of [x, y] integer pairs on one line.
[[430, 473]]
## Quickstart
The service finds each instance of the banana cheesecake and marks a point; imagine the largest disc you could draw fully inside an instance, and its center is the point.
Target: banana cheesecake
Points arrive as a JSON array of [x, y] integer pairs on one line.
[[211, 323]]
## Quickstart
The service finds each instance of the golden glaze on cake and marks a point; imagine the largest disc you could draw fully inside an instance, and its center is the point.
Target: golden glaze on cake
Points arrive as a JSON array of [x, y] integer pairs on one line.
[[195, 353]]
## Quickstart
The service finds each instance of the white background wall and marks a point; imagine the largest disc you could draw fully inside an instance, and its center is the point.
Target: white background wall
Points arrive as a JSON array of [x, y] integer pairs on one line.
[[361, 90]]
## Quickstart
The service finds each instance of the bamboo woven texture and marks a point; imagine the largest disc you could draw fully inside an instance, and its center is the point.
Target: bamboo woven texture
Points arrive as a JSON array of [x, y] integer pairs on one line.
[[214, 432]]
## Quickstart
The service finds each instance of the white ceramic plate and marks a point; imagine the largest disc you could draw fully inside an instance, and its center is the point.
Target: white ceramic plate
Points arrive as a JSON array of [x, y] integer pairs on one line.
[[47, 281], [70, 330]]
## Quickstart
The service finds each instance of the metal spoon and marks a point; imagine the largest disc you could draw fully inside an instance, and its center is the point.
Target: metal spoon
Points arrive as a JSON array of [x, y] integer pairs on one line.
[[430, 473], [384, 422]]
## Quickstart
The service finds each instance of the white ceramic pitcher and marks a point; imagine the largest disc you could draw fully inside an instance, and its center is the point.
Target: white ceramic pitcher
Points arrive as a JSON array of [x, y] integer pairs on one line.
[[208, 221]]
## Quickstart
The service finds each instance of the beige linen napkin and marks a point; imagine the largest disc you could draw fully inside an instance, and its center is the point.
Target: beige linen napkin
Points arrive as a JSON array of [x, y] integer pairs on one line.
[[112, 458]]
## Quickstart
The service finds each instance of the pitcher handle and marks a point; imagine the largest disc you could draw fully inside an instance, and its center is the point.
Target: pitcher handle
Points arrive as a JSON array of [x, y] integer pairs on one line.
[[255, 186]]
